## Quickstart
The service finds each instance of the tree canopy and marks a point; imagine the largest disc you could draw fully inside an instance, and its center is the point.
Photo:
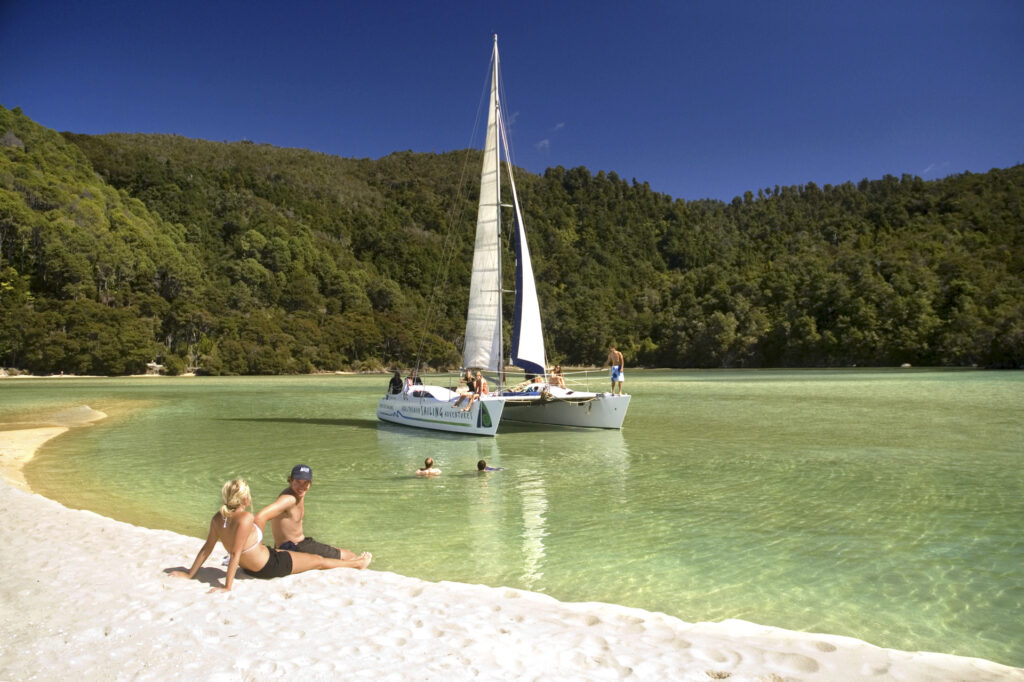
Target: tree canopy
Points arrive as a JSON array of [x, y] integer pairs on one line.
[[241, 258]]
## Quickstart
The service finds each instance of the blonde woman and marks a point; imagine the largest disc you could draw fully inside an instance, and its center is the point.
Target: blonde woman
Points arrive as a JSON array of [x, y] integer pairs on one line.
[[479, 389], [233, 526]]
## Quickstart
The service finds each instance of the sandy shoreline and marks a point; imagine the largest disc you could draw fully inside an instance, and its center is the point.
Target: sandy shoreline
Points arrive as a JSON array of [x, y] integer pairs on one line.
[[96, 603]]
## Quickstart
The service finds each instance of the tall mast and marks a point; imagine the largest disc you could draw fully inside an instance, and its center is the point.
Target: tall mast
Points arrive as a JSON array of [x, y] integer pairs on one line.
[[497, 183]]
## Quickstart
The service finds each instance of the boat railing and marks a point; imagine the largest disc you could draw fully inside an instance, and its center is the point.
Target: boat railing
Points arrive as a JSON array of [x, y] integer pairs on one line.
[[589, 380], [585, 379]]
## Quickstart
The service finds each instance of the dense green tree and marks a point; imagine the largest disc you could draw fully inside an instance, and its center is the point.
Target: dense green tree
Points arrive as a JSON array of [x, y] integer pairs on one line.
[[238, 258]]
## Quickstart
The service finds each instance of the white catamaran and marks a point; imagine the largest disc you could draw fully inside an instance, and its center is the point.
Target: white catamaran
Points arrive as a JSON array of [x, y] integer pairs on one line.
[[536, 400]]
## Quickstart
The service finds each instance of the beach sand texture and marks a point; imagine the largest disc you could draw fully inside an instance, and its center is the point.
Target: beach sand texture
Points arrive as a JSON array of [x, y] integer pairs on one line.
[[89, 598]]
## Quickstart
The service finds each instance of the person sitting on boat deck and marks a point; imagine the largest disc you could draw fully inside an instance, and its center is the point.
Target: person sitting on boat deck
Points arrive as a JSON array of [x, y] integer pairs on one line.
[[482, 466], [395, 387], [556, 378], [234, 526], [467, 377], [428, 468], [480, 389], [286, 514], [618, 373]]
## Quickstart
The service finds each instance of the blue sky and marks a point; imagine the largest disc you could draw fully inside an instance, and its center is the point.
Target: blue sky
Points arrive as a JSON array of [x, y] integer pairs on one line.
[[700, 99]]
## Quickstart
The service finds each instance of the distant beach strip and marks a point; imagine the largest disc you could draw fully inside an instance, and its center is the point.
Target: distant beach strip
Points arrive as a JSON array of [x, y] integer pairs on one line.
[[99, 605], [19, 445]]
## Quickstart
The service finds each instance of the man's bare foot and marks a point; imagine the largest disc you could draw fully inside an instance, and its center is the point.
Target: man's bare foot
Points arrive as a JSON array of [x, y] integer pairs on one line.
[[366, 558]]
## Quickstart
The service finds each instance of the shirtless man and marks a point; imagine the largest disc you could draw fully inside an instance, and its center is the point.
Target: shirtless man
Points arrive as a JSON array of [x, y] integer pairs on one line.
[[615, 360], [428, 468], [286, 514]]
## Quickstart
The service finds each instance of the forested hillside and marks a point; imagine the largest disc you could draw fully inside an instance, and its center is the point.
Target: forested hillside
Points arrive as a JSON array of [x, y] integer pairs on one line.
[[238, 258]]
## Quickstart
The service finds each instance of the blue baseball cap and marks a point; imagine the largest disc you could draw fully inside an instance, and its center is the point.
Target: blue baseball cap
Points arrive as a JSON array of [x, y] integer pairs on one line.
[[301, 472]]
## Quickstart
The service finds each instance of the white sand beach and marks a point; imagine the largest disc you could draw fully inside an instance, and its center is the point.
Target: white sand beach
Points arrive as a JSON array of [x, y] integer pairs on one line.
[[89, 598]]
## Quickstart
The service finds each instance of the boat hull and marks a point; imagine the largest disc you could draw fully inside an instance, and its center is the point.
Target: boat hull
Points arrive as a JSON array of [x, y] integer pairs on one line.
[[430, 413], [603, 411]]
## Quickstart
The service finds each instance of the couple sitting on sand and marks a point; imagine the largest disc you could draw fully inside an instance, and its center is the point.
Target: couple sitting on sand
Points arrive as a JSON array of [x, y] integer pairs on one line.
[[241, 533]]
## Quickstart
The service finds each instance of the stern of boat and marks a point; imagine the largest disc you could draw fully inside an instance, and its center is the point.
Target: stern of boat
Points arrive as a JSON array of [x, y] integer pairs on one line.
[[482, 419]]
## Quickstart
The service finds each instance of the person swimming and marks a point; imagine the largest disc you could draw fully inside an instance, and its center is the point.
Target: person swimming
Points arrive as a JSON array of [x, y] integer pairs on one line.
[[428, 468], [482, 466]]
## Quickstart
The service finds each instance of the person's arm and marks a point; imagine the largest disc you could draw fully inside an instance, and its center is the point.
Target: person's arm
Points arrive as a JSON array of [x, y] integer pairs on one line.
[[204, 554], [279, 506]]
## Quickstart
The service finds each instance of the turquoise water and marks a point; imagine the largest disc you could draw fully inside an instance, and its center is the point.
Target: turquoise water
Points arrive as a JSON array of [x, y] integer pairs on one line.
[[883, 505]]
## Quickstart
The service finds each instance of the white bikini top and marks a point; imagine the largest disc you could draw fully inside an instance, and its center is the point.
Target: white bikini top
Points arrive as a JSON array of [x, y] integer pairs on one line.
[[259, 539]]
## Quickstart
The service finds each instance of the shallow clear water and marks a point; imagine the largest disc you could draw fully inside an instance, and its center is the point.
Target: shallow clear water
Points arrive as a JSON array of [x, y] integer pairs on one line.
[[883, 505]]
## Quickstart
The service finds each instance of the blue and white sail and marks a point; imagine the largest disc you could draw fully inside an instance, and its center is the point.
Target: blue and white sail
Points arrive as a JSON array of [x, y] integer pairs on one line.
[[527, 334]]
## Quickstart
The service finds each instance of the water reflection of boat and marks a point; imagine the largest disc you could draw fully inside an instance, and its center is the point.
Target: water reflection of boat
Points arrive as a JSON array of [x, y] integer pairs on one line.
[[607, 448], [437, 444], [534, 502]]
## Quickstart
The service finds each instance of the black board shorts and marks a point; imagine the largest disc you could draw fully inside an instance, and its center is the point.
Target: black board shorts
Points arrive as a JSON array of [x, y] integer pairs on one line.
[[278, 565], [311, 546]]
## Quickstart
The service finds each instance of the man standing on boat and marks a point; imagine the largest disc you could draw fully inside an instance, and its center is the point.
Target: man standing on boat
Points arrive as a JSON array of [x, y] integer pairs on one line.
[[616, 361], [286, 514]]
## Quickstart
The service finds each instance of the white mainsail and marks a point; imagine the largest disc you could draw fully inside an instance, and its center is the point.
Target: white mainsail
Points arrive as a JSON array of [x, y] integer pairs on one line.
[[483, 320]]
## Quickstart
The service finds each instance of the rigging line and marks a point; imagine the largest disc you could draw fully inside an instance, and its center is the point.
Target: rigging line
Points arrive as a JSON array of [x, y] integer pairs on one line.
[[502, 98], [455, 216]]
